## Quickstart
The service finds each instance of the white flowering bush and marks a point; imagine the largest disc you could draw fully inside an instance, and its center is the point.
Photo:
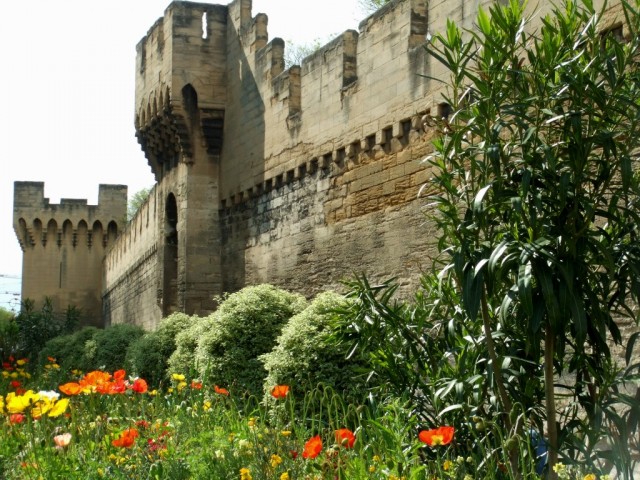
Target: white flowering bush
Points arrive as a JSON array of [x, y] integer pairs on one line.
[[244, 327], [307, 356]]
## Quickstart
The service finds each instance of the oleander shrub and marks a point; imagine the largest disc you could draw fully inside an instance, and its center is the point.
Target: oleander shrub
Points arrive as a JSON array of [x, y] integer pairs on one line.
[[245, 326], [307, 355], [69, 350], [107, 349], [148, 356]]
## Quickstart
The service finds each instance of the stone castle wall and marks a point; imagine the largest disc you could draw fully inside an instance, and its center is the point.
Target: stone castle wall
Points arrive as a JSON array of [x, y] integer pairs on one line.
[[64, 245], [130, 270], [298, 177]]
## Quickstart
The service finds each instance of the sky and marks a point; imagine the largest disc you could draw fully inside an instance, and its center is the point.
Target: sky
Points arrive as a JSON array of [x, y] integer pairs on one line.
[[67, 86]]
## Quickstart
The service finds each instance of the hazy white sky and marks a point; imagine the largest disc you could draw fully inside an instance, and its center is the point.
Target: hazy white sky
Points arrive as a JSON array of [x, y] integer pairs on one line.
[[67, 86]]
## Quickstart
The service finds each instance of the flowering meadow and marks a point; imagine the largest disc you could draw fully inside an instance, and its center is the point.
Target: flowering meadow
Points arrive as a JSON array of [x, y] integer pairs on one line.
[[71, 424]]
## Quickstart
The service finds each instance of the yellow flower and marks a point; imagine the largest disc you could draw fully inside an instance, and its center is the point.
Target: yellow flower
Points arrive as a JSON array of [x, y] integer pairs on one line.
[[447, 465], [206, 406], [19, 403], [372, 468], [153, 393], [245, 474], [559, 467], [275, 460], [252, 422], [589, 476], [21, 362], [59, 408], [285, 433], [376, 459], [178, 377], [284, 476], [182, 385]]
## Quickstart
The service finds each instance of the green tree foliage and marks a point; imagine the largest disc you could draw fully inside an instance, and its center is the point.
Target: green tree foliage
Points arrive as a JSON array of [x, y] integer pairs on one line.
[[294, 53], [136, 201], [148, 356], [538, 200], [245, 326], [35, 327], [370, 6]]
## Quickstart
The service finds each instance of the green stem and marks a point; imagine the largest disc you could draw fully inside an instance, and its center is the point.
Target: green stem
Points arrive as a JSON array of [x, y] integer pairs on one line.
[[495, 363], [550, 400], [496, 366]]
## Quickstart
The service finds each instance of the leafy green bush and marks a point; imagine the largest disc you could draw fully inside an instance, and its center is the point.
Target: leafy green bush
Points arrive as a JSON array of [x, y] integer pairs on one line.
[[8, 334], [306, 354], [182, 360], [148, 355], [246, 326], [69, 350], [108, 348]]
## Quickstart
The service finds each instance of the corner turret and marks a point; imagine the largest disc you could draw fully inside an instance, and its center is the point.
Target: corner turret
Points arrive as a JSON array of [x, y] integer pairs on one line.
[[64, 246]]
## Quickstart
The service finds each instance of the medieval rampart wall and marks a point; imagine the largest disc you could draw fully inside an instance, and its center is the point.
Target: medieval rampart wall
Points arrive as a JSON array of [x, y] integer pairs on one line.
[[131, 270]]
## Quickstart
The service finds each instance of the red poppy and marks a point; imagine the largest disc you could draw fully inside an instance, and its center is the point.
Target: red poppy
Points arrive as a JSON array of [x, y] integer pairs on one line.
[[313, 447], [126, 439], [15, 383], [142, 423], [280, 391], [345, 437], [119, 375], [139, 385], [16, 418], [437, 436], [196, 385], [220, 390]]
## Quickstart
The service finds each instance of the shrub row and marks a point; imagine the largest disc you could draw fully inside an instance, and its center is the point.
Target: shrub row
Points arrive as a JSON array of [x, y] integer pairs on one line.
[[259, 337]]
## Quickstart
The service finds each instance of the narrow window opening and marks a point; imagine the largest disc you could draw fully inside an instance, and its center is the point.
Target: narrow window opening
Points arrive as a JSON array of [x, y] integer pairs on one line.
[[205, 26]]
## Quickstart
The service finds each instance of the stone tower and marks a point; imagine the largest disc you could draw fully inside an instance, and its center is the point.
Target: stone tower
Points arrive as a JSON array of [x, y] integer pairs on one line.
[[64, 246], [180, 102]]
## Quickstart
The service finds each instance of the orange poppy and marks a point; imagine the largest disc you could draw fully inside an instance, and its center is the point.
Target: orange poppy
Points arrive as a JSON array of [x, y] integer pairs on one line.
[[437, 436], [313, 447], [71, 388], [345, 437], [126, 439], [280, 391], [196, 385], [220, 390]]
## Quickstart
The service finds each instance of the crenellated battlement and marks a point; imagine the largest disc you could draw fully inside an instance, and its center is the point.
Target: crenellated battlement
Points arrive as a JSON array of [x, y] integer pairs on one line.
[[64, 245], [39, 223], [354, 93]]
